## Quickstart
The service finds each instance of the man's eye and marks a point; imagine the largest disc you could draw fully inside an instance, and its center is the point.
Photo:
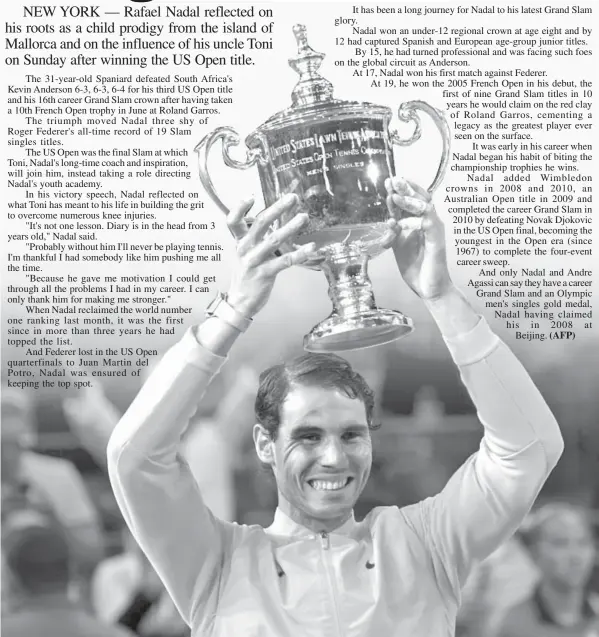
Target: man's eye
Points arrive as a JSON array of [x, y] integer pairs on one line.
[[351, 435], [311, 437]]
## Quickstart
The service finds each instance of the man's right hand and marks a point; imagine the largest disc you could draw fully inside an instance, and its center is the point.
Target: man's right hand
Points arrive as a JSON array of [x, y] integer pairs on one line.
[[257, 266]]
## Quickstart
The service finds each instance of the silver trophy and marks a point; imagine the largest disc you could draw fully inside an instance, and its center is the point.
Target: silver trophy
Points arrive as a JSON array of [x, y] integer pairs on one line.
[[335, 156]]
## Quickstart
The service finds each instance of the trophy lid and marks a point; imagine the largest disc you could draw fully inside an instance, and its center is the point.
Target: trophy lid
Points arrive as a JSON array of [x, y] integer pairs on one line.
[[312, 96]]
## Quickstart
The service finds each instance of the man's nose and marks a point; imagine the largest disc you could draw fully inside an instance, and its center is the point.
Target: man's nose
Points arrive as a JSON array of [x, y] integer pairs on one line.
[[333, 454]]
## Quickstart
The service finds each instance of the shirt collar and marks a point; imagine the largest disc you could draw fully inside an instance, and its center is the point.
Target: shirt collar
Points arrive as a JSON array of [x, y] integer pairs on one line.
[[284, 525]]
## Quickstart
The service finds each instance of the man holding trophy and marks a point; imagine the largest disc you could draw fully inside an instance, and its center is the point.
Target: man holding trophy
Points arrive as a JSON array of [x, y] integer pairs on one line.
[[317, 571]]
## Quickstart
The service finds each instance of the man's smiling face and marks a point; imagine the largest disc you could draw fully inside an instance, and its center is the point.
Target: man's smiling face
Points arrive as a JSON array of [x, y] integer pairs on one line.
[[321, 457]]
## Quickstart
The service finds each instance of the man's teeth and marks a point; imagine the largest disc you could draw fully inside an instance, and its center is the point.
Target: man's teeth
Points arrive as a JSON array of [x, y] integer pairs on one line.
[[326, 485]]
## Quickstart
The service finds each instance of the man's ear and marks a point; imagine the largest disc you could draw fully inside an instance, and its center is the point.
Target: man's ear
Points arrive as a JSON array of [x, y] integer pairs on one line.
[[264, 444]]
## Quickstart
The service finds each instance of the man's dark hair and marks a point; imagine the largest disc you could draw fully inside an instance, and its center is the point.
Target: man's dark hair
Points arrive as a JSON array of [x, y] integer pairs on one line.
[[37, 554], [308, 370]]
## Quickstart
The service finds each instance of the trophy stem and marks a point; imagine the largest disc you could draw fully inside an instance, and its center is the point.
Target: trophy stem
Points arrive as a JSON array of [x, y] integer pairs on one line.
[[350, 288], [355, 322]]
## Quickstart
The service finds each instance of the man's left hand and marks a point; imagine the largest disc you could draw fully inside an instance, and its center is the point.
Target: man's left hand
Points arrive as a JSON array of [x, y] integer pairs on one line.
[[417, 239]]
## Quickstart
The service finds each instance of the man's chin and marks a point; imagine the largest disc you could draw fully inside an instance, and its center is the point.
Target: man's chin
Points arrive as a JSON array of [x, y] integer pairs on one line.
[[576, 581], [330, 510]]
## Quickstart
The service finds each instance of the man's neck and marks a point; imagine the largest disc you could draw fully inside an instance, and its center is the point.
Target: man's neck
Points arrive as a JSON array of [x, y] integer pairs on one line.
[[564, 604], [317, 525]]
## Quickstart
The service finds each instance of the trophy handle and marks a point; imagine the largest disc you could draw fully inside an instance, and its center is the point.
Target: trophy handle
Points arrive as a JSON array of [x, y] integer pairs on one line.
[[407, 112], [230, 138]]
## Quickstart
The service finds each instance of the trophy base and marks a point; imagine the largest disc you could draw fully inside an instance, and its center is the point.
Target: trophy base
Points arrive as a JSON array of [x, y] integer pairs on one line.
[[367, 329]]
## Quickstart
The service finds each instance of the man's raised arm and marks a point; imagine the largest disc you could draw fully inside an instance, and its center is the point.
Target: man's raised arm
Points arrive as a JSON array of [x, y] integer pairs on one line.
[[487, 498], [154, 488]]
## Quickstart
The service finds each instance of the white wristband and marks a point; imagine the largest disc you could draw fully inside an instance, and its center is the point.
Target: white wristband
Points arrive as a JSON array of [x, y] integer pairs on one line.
[[221, 308]]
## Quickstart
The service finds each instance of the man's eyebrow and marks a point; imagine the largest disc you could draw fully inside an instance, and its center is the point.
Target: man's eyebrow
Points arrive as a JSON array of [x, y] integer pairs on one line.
[[356, 426], [305, 429]]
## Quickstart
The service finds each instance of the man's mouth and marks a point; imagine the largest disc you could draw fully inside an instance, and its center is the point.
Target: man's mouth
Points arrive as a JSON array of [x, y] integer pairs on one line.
[[329, 485]]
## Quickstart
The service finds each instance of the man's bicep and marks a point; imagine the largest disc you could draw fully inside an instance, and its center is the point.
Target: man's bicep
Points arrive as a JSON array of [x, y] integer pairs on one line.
[[163, 508]]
